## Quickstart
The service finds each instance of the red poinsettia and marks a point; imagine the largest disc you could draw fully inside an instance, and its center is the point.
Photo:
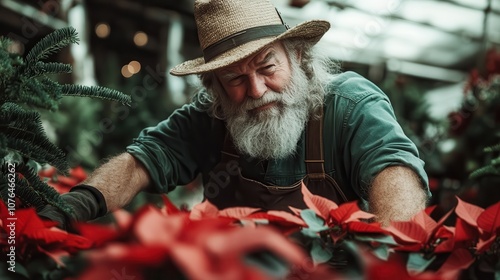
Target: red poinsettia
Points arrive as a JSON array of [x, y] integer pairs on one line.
[[467, 231], [204, 244], [340, 220], [491, 70], [31, 235], [285, 222], [477, 227], [458, 260], [393, 268], [472, 81], [423, 234], [61, 183], [208, 210], [425, 238], [100, 234], [489, 222], [492, 63]]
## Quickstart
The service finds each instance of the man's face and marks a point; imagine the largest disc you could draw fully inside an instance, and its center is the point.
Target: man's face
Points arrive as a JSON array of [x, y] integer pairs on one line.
[[253, 77], [265, 103]]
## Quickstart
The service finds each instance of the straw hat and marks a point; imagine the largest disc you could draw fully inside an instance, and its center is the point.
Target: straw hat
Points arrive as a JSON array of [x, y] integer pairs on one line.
[[231, 30]]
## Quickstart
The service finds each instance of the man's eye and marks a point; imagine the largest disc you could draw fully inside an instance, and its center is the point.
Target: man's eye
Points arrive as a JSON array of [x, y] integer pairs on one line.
[[235, 81], [269, 69]]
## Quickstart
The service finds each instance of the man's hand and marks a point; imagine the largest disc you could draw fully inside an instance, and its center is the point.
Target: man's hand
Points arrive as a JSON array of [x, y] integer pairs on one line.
[[86, 201], [53, 213], [116, 184]]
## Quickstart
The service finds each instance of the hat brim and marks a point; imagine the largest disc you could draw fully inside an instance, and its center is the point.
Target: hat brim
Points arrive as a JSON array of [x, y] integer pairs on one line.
[[311, 30]]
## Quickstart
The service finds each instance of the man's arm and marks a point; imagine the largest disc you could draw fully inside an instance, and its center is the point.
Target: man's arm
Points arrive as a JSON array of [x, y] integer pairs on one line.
[[119, 180], [396, 194], [111, 186]]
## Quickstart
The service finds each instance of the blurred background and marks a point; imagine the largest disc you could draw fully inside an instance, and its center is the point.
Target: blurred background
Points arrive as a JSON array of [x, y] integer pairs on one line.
[[437, 60]]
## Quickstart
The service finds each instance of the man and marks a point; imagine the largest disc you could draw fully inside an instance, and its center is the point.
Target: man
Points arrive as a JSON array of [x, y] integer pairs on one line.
[[269, 118]]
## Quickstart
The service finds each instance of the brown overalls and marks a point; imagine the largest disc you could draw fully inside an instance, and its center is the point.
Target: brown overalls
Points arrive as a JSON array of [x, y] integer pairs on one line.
[[230, 189]]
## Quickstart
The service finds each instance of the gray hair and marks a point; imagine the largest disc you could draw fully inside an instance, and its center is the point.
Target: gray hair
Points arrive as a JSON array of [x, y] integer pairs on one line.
[[318, 67]]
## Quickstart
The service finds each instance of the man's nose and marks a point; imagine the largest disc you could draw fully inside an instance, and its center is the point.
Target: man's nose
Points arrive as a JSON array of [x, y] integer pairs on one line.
[[256, 86]]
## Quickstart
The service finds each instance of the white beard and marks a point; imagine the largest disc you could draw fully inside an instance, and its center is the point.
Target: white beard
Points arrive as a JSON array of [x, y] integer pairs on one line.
[[274, 132]]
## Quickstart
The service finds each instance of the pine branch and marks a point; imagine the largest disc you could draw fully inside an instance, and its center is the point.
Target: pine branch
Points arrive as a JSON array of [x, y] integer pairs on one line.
[[23, 191], [40, 94], [3, 146], [96, 92], [10, 91], [5, 43], [485, 171], [495, 148], [16, 117], [25, 82], [16, 133], [31, 190], [44, 152], [6, 68], [29, 196], [24, 133], [4, 185], [44, 68], [9, 63], [54, 89], [51, 44], [44, 192]]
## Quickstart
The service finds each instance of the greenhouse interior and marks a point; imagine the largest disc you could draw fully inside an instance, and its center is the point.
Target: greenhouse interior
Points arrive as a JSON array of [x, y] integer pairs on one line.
[[108, 165]]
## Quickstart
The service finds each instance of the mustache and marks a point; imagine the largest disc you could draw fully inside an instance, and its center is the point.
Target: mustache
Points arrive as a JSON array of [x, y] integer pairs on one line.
[[267, 98]]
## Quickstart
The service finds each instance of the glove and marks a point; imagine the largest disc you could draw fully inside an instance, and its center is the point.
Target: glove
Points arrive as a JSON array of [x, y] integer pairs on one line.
[[86, 201]]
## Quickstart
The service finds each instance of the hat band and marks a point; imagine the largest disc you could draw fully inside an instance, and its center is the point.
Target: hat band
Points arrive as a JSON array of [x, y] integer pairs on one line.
[[240, 38]]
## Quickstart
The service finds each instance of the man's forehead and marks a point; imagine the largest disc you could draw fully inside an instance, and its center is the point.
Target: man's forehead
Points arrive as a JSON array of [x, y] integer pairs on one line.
[[261, 57]]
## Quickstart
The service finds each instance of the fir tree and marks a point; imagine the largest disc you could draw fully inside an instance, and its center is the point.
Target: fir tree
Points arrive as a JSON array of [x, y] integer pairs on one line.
[[491, 169], [487, 93], [25, 88]]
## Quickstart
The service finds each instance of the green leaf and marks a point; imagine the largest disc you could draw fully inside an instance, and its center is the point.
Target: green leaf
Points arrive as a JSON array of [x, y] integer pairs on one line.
[[313, 221], [385, 239], [20, 271], [268, 262], [417, 263], [319, 253], [381, 252]]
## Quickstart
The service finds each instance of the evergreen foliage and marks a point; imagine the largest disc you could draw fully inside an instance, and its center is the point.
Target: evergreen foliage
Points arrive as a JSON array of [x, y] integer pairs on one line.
[[489, 94], [493, 168], [26, 88]]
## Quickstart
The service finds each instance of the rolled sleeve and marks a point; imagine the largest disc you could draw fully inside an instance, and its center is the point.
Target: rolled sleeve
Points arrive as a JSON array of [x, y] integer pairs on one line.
[[171, 150], [372, 139], [379, 142]]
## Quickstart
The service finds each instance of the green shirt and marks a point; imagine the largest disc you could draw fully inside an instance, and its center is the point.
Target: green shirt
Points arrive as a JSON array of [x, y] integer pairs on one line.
[[361, 137]]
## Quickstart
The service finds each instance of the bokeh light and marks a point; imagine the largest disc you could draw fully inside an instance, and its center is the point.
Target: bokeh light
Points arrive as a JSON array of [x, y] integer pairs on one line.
[[125, 71], [140, 38], [134, 66], [102, 30]]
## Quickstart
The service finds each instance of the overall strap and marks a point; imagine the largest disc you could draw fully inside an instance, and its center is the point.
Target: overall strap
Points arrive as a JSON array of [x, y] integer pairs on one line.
[[228, 151], [314, 147]]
